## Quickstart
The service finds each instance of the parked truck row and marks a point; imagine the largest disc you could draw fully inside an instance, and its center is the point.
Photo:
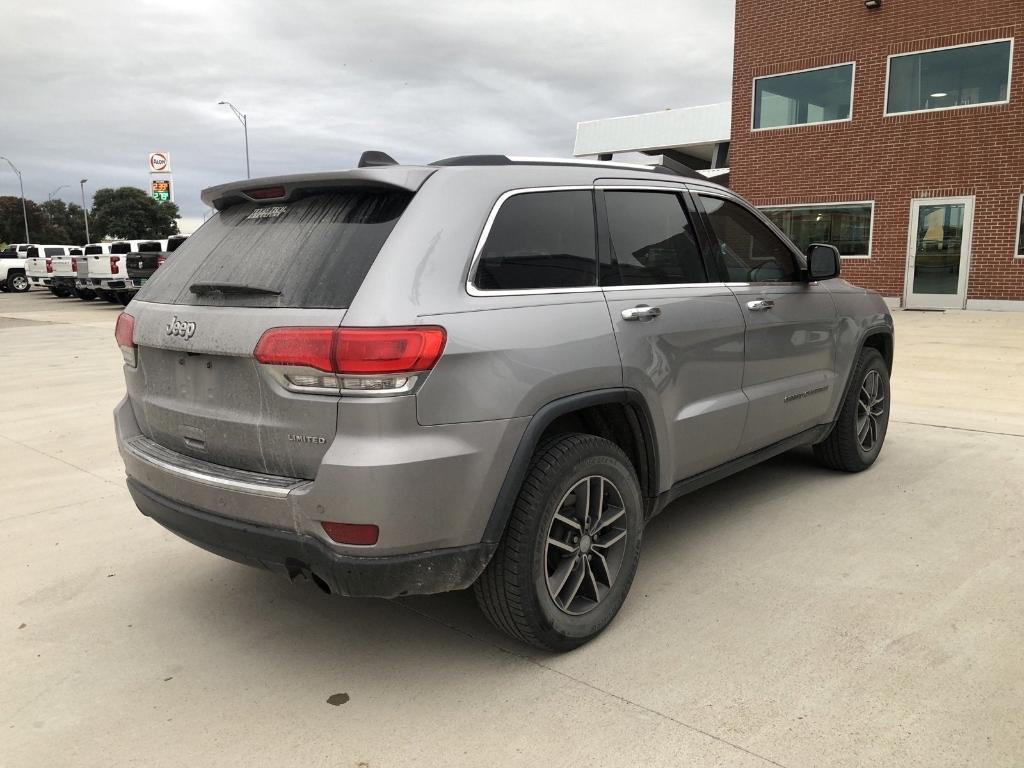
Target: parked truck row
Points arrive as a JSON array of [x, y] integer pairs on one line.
[[112, 271]]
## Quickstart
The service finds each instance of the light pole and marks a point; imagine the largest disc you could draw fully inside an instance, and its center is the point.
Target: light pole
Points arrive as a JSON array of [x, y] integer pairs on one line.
[[85, 212], [245, 127], [49, 197], [24, 210]]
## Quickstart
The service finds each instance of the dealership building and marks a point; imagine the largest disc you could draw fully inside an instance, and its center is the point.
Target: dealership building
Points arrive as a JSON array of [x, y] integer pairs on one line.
[[893, 129]]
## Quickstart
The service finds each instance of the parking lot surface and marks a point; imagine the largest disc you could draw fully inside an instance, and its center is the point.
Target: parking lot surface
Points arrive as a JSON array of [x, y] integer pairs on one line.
[[787, 616]]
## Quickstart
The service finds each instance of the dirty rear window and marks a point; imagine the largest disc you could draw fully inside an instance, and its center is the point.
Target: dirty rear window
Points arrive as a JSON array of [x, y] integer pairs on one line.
[[313, 252]]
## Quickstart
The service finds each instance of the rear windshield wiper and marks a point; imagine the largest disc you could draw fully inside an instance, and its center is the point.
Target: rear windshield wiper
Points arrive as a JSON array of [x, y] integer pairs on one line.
[[235, 289]]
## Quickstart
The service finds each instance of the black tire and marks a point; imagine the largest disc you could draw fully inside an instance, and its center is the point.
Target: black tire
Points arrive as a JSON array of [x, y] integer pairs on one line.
[[843, 449], [84, 294], [18, 282], [513, 590], [124, 298]]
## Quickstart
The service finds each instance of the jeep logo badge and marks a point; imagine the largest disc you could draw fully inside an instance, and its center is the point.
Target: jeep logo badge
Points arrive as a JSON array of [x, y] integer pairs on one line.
[[180, 328]]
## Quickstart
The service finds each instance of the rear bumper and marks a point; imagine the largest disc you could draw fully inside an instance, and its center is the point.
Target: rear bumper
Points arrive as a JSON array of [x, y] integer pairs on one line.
[[297, 555], [120, 284]]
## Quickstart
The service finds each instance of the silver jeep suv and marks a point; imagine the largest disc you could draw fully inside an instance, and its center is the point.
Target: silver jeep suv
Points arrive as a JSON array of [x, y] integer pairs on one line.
[[486, 372]]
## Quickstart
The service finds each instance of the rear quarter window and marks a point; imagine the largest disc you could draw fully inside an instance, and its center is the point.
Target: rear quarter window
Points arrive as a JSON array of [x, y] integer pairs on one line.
[[314, 251], [540, 240]]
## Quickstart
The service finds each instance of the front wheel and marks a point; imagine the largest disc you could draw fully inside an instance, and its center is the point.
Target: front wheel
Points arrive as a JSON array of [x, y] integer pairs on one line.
[[858, 434], [568, 555], [18, 283]]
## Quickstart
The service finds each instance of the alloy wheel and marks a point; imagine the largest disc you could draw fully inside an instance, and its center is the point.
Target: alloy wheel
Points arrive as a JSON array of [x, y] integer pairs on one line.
[[870, 409], [586, 544]]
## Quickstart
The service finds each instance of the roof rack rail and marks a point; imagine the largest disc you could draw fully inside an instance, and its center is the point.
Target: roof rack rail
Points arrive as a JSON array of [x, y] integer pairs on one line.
[[664, 164], [474, 160]]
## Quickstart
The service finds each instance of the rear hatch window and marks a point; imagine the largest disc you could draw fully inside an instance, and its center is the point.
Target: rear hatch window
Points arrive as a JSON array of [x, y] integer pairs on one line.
[[312, 253]]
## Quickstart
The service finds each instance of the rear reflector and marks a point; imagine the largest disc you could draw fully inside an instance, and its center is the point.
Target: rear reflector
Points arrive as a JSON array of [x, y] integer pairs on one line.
[[265, 193], [365, 351], [352, 533], [124, 333]]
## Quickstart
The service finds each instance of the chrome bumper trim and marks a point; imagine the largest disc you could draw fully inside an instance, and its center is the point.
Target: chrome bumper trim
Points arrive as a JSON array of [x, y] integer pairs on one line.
[[215, 475]]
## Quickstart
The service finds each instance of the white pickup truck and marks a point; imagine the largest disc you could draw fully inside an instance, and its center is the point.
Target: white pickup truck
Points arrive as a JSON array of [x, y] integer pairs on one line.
[[13, 276], [64, 269], [39, 266], [108, 266]]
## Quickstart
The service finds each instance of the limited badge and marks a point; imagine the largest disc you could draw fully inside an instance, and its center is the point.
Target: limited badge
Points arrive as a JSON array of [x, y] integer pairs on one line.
[[269, 212]]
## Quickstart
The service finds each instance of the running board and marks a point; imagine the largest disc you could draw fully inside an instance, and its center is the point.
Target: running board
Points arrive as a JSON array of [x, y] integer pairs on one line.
[[713, 475]]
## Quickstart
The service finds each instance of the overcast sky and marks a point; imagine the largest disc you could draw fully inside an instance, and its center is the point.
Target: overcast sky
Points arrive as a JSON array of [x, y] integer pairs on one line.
[[91, 86]]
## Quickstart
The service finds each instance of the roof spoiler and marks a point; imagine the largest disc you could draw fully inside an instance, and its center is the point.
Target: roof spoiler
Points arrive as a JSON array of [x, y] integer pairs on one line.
[[285, 189]]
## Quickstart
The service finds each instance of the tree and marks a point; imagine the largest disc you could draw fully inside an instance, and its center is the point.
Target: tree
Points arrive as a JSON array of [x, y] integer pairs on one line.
[[129, 213], [64, 223], [12, 224]]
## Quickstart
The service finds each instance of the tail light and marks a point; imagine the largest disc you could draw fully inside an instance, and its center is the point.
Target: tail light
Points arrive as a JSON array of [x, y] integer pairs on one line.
[[114, 269], [49, 266], [124, 332], [74, 264], [160, 260], [355, 360]]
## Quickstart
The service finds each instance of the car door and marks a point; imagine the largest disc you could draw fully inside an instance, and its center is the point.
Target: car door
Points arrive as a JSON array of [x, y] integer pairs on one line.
[[789, 362], [679, 332]]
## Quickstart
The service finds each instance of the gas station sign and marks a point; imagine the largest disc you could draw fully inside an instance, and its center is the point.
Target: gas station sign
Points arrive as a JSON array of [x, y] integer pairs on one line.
[[161, 190]]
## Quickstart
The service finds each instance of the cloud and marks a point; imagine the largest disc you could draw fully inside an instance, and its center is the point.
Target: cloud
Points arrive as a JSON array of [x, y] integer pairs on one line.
[[92, 86]]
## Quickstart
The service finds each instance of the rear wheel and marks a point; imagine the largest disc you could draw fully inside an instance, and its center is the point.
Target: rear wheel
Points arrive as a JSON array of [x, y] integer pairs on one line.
[[17, 283], [124, 298], [568, 555], [858, 434], [85, 294]]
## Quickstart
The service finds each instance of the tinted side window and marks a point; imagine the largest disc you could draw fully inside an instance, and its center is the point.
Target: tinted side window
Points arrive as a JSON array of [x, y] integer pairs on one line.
[[540, 240], [652, 241], [749, 252]]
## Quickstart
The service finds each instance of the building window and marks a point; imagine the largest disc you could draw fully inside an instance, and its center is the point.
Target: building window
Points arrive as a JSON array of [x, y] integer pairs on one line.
[[847, 226], [822, 95], [947, 78], [1020, 227]]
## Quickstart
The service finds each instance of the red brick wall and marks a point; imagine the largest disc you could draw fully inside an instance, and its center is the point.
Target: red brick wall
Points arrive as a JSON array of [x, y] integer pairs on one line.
[[975, 151]]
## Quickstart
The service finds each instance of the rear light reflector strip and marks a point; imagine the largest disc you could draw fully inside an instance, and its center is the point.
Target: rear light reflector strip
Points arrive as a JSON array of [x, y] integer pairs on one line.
[[362, 534]]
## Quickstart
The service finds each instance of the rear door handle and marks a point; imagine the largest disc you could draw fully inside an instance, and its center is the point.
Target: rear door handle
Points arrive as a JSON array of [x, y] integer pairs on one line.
[[760, 305], [641, 312]]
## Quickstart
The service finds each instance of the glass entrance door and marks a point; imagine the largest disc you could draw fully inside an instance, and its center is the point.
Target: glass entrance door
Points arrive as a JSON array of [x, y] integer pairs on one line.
[[939, 249]]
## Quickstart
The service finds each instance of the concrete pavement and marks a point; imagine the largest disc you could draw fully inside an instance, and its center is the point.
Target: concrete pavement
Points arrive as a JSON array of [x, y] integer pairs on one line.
[[788, 616]]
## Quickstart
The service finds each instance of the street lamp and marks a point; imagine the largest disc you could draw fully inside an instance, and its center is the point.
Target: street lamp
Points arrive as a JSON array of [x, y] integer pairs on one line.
[[245, 127], [24, 210], [85, 212]]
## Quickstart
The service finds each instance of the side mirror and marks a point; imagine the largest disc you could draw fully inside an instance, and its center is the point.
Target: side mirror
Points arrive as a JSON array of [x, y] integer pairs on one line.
[[822, 261]]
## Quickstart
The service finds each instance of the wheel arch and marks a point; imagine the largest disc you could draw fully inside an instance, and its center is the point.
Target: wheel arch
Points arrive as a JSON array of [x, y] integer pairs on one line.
[[618, 414]]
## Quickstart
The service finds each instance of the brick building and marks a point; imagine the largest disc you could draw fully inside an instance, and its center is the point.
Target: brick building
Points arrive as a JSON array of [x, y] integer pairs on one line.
[[912, 111], [893, 129]]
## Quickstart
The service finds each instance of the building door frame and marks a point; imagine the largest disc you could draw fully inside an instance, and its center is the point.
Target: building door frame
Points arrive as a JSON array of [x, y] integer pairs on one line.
[[958, 300]]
